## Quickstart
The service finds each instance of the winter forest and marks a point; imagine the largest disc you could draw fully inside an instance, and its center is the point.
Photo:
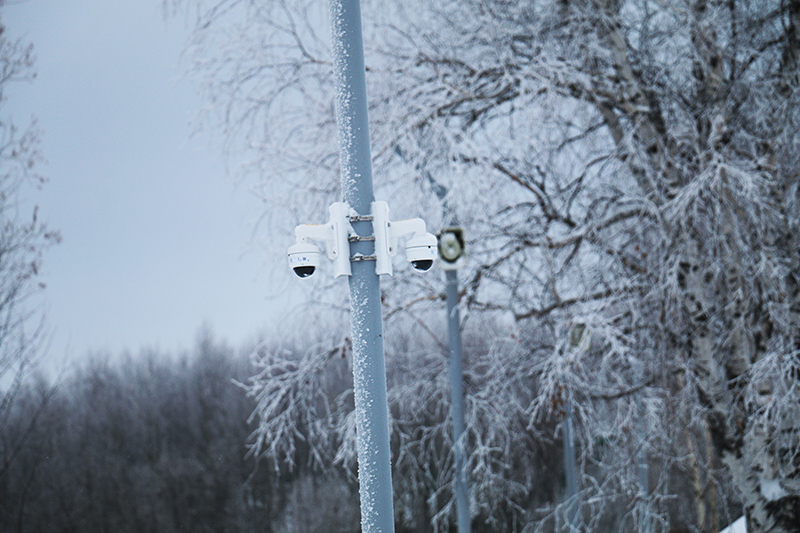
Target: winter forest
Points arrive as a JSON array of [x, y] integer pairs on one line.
[[626, 176]]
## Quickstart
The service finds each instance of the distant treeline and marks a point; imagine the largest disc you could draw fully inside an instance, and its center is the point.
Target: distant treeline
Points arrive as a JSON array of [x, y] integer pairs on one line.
[[146, 443], [158, 443]]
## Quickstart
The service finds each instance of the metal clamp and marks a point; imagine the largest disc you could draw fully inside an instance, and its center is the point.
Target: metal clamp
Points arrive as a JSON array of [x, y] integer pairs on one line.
[[361, 257], [360, 238]]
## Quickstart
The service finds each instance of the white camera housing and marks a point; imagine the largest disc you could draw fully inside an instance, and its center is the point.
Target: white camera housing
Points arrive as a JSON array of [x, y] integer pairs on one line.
[[304, 255], [421, 251], [421, 248], [304, 258]]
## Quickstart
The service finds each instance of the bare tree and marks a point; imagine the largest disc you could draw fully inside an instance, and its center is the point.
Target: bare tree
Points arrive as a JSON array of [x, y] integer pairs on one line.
[[642, 185], [23, 239], [623, 167]]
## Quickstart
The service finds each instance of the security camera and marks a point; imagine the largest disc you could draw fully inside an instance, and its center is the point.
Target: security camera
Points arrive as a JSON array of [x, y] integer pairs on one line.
[[421, 248], [421, 251], [304, 258]]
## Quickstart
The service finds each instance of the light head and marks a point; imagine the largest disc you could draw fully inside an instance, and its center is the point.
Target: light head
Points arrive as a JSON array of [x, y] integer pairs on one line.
[[451, 248]]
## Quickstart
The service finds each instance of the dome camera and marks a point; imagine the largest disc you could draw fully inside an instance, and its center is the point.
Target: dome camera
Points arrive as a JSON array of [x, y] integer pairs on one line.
[[304, 258], [421, 251]]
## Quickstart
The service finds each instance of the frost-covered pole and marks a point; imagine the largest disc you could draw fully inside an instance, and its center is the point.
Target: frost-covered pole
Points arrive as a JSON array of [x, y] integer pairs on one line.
[[369, 368], [457, 397], [644, 475], [570, 467], [580, 339]]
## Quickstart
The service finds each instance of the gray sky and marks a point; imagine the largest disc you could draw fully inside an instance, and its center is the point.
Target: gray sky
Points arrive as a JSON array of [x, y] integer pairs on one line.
[[154, 235]]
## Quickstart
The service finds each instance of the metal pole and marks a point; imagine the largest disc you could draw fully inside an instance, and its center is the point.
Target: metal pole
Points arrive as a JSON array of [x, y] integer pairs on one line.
[[456, 373], [457, 399], [369, 367], [644, 483], [579, 339], [569, 465]]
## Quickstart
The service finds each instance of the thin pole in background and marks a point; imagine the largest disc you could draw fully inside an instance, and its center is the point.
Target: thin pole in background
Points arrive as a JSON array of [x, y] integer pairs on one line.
[[457, 400], [456, 360], [569, 465]]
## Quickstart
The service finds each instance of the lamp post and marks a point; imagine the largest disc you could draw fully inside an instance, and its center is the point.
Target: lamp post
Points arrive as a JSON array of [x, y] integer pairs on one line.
[[451, 251], [578, 339], [569, 465]]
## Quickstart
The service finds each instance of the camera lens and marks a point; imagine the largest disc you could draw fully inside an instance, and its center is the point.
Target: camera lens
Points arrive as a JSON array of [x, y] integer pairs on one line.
[[304, 271], [423, 264]]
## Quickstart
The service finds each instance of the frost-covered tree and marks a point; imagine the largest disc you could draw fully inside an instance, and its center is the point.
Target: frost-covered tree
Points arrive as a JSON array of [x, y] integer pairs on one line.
[[646, 151], [148, 441], [624, 168], [23, 240]]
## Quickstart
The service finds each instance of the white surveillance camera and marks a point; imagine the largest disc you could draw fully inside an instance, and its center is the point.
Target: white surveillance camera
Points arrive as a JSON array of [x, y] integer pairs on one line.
[[421, 251], [421, 247], [304, 258]]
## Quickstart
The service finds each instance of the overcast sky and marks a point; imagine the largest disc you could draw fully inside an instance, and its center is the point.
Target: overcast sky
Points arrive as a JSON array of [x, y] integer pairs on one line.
[[155, 237]]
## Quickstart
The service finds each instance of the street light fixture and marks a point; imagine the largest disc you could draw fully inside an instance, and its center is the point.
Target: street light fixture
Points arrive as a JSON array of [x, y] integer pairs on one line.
[[451, 248]]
